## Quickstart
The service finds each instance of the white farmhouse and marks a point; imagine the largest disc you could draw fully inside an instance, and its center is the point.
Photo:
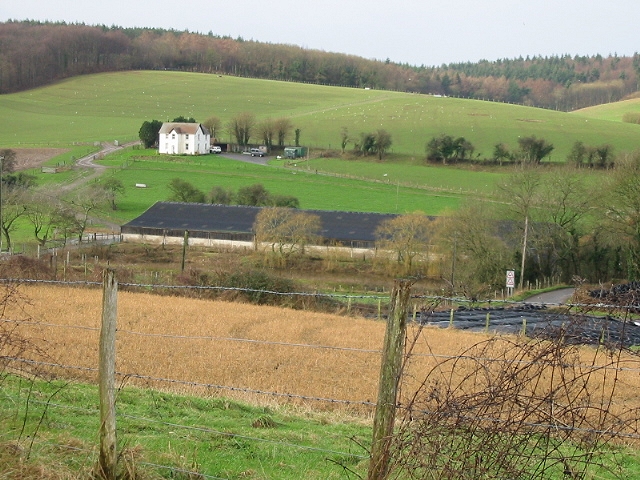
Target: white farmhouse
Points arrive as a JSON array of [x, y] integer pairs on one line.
[[184, 139]]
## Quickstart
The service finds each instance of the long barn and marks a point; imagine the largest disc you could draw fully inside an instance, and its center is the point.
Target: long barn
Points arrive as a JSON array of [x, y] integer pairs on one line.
[[232, 225]]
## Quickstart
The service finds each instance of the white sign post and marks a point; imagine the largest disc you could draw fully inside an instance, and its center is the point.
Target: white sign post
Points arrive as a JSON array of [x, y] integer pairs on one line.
[[511, 281]]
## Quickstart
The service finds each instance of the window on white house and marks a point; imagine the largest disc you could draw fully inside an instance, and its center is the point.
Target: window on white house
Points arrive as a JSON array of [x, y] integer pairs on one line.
[[187, 146]]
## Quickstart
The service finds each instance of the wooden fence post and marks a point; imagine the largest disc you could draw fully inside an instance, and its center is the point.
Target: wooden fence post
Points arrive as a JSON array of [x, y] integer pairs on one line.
[[107, 372], [390, 370], [185, 242]]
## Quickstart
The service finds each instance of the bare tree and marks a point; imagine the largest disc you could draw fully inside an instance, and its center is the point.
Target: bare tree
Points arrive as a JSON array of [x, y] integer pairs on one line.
[[241, 127], [267, 131], [110, 189], [621, 210], [344, 138], [44, 215], [382, 142], [563, 205], [283, 127], [474, 256], [14, 206], [214, 125], [407, 236], [84, 203], [285, 230], [521, 193]]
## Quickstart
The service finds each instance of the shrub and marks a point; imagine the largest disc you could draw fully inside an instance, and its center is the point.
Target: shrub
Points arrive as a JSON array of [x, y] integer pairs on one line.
[[631, 117]]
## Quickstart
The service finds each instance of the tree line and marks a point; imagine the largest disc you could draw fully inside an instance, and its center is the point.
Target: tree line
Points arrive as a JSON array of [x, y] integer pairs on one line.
[[242, 127], [443, 149], [447, 149], [255, 195], [33, 54]]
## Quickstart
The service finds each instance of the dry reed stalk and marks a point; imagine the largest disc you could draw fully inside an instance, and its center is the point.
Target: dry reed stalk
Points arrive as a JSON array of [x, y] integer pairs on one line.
[[230, 347]]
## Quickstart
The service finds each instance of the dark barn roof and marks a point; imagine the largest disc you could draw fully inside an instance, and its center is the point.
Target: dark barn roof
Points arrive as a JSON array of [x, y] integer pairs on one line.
[[237, 219]]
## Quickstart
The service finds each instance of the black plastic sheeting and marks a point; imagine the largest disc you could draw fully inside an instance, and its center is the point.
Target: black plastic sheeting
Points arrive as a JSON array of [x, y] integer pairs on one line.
[[540, 323]]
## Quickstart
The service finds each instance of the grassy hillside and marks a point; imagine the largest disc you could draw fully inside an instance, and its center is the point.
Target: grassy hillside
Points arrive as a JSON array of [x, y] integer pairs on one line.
[[113, 106], [611, 111]]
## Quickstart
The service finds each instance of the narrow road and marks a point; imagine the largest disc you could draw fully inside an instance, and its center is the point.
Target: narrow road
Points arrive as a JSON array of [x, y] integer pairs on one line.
[[555, 297]]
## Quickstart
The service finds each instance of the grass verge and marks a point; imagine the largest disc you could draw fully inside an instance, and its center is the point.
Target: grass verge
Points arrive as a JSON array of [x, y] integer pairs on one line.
[[50, 431]]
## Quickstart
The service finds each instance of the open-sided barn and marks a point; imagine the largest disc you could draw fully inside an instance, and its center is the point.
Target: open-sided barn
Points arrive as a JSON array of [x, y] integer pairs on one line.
[[166, 222]]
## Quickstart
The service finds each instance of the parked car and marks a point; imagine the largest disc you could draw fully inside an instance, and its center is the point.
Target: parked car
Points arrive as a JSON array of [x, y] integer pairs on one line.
[[215, 149], [256, 152]]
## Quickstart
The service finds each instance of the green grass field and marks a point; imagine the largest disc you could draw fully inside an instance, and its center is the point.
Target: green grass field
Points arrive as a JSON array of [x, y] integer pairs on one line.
[[113, 106], [164, 435], [314, 190], [611, 111], [214, 436]]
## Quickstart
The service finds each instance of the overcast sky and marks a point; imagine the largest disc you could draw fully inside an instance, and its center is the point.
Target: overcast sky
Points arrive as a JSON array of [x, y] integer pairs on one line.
[[418, 32]]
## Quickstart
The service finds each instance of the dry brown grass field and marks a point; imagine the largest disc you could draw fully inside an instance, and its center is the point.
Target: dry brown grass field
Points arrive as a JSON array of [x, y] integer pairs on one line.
[[250, 347]]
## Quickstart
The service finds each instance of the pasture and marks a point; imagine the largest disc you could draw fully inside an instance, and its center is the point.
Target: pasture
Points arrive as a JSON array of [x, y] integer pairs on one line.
[[314, 190], [611, 111], [113, 106]]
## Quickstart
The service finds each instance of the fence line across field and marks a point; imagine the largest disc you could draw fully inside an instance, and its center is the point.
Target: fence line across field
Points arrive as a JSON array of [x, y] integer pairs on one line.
[[390, 372], [212, 386], [437, 299], [399, 406], [305, 345], [298, 345]]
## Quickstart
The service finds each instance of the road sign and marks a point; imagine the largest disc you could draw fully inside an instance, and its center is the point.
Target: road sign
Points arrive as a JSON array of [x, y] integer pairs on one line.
[[511, 279]]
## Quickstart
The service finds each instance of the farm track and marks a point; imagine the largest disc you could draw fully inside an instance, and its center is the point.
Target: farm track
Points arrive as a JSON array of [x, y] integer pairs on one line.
[[87, 162]]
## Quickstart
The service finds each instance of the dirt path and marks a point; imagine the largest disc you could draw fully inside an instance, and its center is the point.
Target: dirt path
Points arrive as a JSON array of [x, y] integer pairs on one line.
[[88, 162]]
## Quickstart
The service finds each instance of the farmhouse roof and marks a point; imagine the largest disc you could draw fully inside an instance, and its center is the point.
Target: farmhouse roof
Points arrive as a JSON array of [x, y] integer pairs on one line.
[[198, 217], [182, 127]]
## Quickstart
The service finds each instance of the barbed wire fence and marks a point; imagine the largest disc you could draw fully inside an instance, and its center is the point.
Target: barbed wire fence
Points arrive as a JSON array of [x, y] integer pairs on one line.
[[408, 412]]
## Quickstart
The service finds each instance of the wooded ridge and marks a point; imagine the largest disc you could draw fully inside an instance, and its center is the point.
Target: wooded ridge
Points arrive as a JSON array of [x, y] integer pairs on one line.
[[33, 54]]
